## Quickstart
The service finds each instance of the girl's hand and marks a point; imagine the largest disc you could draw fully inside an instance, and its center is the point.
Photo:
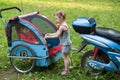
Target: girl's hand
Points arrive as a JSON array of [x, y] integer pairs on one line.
[[46, 36]]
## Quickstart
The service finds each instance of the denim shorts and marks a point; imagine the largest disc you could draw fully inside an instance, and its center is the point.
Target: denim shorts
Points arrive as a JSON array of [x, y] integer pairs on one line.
[[66, 48]]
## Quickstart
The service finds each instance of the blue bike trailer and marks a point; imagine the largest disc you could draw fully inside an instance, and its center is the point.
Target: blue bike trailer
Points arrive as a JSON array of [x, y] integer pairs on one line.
[[26, 43]]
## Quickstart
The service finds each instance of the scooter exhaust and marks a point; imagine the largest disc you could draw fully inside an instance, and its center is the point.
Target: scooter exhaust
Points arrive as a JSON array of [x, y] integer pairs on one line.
[[101, 66]]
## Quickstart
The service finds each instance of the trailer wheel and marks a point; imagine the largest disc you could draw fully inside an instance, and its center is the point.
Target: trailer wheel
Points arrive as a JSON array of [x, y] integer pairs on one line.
[[20, 58]]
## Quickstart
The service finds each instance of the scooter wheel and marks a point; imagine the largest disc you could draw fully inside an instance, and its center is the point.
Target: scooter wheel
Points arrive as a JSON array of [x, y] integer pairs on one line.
[[89, 56]]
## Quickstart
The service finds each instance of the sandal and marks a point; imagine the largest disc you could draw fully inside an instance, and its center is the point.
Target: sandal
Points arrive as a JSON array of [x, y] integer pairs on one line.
[[65, 72]]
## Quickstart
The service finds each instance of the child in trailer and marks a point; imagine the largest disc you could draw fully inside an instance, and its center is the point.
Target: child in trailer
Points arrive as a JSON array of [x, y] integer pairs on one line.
[[26, 35], [64, 36]]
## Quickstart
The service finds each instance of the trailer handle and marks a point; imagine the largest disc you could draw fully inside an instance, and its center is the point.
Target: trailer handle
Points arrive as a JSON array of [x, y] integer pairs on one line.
[[9, 9]]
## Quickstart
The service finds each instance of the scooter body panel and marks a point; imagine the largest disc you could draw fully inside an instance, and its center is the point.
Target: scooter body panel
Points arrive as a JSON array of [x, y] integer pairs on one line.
[[101, 41]]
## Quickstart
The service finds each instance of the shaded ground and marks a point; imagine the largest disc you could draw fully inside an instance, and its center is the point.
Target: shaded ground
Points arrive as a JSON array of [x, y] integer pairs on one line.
[[8, 74], [12, 75]]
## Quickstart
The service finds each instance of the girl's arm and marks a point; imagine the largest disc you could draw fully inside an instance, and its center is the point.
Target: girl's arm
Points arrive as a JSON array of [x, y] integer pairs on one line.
[[55, 35], [50, 34]]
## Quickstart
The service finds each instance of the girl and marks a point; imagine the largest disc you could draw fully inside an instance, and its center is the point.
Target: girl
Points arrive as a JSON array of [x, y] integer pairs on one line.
[[64, 36]]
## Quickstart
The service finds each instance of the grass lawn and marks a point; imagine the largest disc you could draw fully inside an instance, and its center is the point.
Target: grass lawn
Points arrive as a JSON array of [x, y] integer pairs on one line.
[[106, 13]]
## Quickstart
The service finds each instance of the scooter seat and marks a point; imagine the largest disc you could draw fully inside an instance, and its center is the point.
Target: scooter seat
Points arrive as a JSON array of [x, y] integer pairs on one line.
[[108, 33]]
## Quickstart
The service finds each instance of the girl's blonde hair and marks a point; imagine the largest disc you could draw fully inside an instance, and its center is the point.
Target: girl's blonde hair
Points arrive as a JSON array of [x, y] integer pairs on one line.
[[60, 13]]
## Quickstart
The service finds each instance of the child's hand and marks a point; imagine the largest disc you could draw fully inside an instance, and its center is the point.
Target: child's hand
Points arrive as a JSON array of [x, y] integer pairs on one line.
[[45, 36]]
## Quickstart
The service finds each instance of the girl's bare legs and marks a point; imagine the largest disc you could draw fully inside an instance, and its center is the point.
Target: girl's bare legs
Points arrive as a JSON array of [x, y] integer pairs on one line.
[[67, 61]]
